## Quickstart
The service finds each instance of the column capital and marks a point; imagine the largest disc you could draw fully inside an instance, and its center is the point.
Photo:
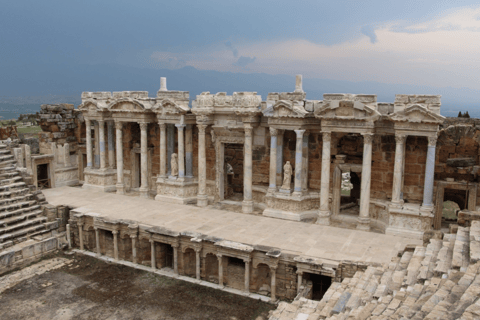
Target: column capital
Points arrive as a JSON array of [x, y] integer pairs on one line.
[[80, 223], [247, 260], [180, 126], [219, 256], [101, 122], [432, 141], [299, 272], [273, 268], [400, 138], [326, 136], [273, 131], [175, 245], [248, 130], [133, 236], [151, 241], [367, 137], [300, 133], [162, 124], [114, 232], [96, 228], [118, 125], [197, 250], [143, 125], [87, 120], [202, 127]]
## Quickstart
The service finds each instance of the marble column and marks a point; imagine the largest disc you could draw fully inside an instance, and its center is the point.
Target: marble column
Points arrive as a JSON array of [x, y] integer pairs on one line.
[[181, 152], [134, 247], [299, 280], [115, 244], [280, 157], [170, 146], [97, 241], [273, 284], [202, 199], [119, 133], [103, 154], [364, 216], [220, 270], [175, 258], [247, 205], [427, 205], [152, 254], [398, 171], [305, 162], [247, 275], [189, 151], [80, 235], [273, 161], [111, 147], [143, 160], [88, 126], [163, 150], [97, 145], [324, 213], [297, 189], [197, 263]]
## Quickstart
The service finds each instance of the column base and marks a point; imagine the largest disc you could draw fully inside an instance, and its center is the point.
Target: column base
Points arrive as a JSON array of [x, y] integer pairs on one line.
[[144, 192], [363, 224], [202, 200], [396, 204], [426, 209], [323, 218], [247, 206], [120, 188]]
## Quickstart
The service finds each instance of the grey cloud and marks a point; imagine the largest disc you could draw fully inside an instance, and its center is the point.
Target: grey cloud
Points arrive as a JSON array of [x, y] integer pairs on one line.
[[232, 47], [369, 31], [244, 61]]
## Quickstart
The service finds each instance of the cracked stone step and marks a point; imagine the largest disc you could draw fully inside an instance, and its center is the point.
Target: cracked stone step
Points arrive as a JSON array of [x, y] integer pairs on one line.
[[461, 249], [25, 224]]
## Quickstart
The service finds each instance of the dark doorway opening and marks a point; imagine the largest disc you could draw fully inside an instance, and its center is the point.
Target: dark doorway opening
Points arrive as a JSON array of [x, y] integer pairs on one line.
[[320, 284], [233, 171], [43, 176], [137, 171], [350, 199], [453, 201], [168, 256]]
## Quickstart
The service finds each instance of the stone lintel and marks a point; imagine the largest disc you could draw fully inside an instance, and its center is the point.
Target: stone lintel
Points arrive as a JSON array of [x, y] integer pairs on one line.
[[234, 245]]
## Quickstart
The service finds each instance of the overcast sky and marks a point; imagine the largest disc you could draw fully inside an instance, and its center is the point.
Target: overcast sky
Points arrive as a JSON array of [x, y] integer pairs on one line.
[[434, 43]]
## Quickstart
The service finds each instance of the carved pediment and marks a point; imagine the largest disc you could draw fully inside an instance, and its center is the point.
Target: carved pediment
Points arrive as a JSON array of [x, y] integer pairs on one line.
[[170, 107], [88, 105], [286, 109], [126, 105], [417, 113], [347, 110]]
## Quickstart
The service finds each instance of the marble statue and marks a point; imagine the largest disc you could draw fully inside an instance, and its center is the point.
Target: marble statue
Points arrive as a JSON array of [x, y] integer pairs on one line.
[[174, 164], [287, 175], [229, 169]]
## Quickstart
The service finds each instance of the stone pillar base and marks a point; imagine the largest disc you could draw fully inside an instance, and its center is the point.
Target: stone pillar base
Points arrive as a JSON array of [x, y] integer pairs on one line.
[[397, 205], [323, 218], [120, 188], [202, 200], [144, 193], [363, 224], [247, 206], [175, 191], [100, 180], [426, 209]]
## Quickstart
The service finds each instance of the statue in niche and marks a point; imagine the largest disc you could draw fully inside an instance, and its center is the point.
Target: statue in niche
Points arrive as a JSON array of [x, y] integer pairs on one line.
[[287, 175], [229, 168], [174, 165]]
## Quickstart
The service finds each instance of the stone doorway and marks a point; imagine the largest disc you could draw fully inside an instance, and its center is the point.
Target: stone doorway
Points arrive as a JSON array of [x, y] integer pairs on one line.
[[234, 276], [43, 176], [320, 285], [464, 194], [346, 202], [233, 172]]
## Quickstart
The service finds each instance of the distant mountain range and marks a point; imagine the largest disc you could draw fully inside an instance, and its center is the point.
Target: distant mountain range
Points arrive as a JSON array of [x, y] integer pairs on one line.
[[37, 84]]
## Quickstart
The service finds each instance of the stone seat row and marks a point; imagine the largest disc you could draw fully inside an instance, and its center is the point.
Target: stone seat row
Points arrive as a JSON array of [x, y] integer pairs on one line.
[[440, 281]]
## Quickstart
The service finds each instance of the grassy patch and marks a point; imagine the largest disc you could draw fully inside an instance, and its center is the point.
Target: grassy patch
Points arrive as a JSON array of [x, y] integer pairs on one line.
[[32, 129]]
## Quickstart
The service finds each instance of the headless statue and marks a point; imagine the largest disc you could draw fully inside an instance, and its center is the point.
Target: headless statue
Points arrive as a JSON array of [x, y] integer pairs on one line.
[[174, 165], [287, 175]]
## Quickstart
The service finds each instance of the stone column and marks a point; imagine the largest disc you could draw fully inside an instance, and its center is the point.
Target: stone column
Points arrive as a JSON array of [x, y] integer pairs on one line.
[[80, 234], [398, 170], [143, 160], [299, 280], [163, 150], [305, 162], [134, 248], [297, 190], [97, 145], [175, 257], [324, 213], [97, 241], [152, 253], [115, 244], [247, 205], [181, 152], [170, 146], [66, 155], [279, 157], [111, 147], [103, 155], [427, 205], [220, 270], [120, 184], [273, 285], [197, 263], [202, 199], [28, 158], [88, 141], [273, 161], [247, 275], [364, 217], [189, 151]]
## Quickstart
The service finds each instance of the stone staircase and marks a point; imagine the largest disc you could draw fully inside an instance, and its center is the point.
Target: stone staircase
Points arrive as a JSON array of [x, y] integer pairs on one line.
[[440, 281], [21, 216]]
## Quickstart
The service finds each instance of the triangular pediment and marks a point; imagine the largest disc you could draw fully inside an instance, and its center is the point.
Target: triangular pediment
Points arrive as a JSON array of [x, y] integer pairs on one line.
[[88, 105], [169, 106], [126, 105], [347, 110], [286, 109], [417, 113]]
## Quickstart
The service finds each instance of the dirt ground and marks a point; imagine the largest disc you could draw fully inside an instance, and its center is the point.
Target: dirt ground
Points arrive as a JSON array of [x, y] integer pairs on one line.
[[88, 288]]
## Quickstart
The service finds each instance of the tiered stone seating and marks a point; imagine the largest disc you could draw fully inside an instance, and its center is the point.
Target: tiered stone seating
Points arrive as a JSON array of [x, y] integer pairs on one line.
[[440, 281], [20, 213]]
